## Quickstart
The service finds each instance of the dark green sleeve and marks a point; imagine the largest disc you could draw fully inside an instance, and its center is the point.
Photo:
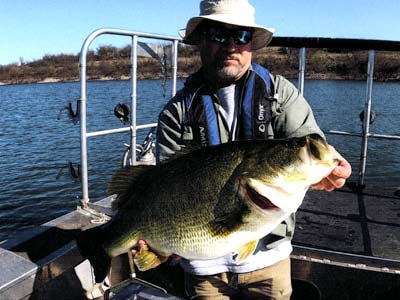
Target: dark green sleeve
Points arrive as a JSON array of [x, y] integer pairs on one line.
[[170, 130]]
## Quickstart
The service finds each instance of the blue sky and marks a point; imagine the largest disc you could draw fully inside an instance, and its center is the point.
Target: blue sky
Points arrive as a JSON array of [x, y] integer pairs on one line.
[[30, 29]]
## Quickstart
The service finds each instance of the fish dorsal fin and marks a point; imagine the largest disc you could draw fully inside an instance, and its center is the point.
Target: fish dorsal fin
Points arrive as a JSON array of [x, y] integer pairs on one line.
[[245, 251], [125, 180]]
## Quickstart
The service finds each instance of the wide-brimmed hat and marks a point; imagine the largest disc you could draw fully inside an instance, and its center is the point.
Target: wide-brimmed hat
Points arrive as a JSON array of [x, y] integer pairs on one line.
[[233, 12]]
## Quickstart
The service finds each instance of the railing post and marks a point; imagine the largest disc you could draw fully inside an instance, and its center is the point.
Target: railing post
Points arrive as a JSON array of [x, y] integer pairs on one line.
[[302, 67], [174, 67], [133, 97], [84, 166], [83, 98], [367, 115]]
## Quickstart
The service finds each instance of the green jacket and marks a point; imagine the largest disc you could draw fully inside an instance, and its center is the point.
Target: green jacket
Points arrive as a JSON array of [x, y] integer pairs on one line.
[[291, 116]]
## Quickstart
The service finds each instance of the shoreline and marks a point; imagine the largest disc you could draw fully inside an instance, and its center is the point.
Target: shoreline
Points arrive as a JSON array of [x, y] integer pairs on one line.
[[58, 80], [321, 64], [316, 76]]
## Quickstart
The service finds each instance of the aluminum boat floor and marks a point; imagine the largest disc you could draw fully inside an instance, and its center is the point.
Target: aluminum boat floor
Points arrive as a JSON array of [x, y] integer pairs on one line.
[[364, 223], [342, 221]]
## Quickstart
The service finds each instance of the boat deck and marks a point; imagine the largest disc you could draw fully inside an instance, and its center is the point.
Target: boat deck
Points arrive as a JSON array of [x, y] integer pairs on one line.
[[366, 223], [359, 235]]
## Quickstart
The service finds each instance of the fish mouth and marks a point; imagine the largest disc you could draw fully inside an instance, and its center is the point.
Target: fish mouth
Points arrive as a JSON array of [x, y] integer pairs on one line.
[[261, 201]]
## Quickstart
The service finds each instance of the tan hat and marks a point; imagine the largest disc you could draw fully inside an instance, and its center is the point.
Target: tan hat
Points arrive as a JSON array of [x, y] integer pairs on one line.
[[233, 12]]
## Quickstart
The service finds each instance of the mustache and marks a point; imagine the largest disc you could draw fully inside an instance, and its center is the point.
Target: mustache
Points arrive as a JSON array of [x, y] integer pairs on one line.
[[219, 60], [229, 56]]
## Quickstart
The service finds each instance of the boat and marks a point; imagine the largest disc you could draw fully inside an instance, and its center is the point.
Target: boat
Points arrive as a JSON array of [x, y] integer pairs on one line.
[[362, 261]]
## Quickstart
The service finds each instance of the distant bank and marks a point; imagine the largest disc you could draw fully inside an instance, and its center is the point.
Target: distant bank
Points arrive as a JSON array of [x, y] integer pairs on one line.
[[111, 63]]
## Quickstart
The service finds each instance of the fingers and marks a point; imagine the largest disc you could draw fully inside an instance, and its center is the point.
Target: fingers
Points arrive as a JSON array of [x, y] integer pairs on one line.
[[333, 182], [324, 184], [343, 170], [338, 176], [329, 183], [141, 244]]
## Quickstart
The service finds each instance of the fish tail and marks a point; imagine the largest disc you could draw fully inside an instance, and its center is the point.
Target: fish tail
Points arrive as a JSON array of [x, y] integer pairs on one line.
[[90, 245]]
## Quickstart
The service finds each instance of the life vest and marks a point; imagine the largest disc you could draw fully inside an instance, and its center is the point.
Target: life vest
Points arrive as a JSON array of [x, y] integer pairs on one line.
[[254, 113], [254, 117]]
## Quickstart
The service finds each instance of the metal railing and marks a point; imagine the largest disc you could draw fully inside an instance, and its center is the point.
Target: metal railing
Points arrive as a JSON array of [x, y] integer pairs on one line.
[[339, 43], [292, 42], [83, 95]]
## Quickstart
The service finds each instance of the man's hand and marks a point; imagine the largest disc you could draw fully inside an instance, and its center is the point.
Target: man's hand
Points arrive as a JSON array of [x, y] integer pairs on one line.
[[142, 245], [338, 176]]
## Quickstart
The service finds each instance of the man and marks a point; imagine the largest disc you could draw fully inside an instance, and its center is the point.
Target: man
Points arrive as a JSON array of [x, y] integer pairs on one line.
[[228, 99]]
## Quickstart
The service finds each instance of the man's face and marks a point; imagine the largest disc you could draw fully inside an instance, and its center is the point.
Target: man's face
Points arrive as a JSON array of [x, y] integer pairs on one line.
[[225, 53]]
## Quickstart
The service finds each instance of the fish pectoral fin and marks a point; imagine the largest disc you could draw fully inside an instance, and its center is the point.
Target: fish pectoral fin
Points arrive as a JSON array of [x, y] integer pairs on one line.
[[224, 226], [245, 251], [146, 259], [227, 222]]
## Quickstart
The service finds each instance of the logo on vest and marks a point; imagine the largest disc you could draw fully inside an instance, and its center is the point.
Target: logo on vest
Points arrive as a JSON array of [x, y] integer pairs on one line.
[[261, 118], [203, 138], [261, 112]]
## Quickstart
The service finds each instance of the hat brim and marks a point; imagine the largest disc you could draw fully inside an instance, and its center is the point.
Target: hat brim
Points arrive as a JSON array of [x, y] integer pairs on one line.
[[262, 36]]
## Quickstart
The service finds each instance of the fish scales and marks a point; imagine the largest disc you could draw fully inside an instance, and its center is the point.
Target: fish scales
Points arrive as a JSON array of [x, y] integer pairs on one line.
[[208, 203]]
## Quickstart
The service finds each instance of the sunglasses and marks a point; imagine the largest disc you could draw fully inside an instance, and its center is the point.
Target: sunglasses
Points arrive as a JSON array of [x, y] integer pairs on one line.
[[221, 35]]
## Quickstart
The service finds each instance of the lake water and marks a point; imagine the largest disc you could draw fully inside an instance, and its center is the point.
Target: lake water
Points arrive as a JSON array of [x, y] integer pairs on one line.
[[36, 145]]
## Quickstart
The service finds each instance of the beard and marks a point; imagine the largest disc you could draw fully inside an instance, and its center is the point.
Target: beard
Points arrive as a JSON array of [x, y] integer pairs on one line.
[[228, 73], [224, 74]]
